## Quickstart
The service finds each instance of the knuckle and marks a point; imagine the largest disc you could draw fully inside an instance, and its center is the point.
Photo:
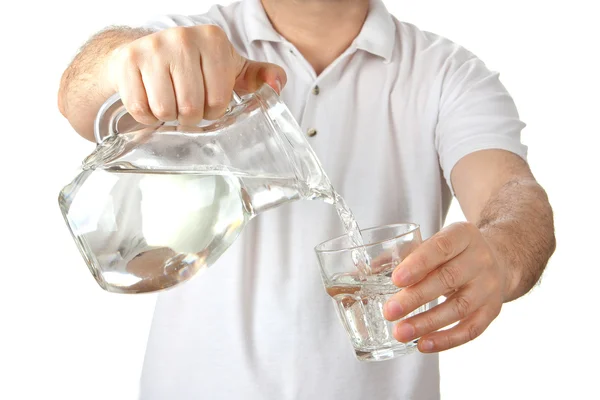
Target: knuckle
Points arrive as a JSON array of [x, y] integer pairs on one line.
[[152, 43], [212, 31], [190, 110], [216, 46], [416, 296], [128, 54], [138, 109], [450, 341], [163, 112], [219, 44], [473, 331], [449, 277], [179, 34], [444, 245], [462, 306], [486, 258], [429, 322], [492, 286]]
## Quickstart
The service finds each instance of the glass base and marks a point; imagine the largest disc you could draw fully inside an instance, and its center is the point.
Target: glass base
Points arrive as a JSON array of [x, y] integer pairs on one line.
[[386, 353]]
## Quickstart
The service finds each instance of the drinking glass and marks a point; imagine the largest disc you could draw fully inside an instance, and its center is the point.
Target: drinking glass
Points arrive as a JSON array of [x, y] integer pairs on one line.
[[359, 298]]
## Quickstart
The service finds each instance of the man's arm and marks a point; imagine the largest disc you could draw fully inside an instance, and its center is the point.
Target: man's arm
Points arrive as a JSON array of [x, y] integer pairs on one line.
[[501, 251], [478, 265], [498, 193], [85, 84]]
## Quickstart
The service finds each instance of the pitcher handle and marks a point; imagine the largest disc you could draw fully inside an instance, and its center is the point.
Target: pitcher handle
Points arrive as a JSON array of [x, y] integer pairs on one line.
[[105, 124]]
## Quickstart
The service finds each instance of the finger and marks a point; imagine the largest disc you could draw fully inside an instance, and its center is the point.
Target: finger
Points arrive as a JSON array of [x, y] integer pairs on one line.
[[253, 74], [459, 307], [160, 92], [441, 281], [188, 82], [465, 331], [440, 248], [133, 95], [218, 69]]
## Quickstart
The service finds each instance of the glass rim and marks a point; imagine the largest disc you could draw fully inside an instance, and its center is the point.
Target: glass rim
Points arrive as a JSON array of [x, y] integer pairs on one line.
[[412, 228]]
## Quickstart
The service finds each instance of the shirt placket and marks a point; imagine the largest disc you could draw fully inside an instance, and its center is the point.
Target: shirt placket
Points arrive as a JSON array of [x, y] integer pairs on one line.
[[309, 121]]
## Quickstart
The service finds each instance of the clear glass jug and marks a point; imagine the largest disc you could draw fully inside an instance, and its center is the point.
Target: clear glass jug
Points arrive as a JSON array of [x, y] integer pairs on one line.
[[154, 205]]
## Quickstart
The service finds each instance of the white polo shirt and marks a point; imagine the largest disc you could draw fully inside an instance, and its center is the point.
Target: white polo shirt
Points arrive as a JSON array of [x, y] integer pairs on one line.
[[392, 116]]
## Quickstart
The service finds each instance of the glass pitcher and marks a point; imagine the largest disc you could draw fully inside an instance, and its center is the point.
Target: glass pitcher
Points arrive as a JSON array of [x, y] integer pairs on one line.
[[154, 205]]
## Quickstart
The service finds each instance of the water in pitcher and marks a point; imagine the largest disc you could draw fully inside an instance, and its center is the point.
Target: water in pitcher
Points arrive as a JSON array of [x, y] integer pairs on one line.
[[165, 226], [154, 205]]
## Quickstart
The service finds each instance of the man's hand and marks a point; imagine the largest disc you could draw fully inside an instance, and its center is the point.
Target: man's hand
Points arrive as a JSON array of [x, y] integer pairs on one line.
[[460, 264], [477, 266], [186, 74]]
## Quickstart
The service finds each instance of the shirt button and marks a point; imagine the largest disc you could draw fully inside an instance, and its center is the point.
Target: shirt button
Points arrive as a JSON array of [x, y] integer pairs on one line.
[[316, 90], [311, 132]]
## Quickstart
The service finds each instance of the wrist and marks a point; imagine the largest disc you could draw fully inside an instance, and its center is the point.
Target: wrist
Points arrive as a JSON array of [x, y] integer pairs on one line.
[[108, 70], [500, 253]]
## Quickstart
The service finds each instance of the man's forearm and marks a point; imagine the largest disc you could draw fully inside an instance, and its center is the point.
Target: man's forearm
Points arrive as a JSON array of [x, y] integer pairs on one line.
[[519, 225], [85, 85]]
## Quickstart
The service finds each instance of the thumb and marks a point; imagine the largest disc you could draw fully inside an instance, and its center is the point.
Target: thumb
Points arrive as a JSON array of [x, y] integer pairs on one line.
[[253, 74]]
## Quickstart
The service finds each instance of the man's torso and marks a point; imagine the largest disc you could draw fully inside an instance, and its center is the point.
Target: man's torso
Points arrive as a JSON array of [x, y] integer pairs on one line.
[[259, 324]]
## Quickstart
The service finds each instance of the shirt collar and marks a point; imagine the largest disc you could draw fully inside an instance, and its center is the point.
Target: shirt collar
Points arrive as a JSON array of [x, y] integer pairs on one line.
[[258, 26], [377, 36]]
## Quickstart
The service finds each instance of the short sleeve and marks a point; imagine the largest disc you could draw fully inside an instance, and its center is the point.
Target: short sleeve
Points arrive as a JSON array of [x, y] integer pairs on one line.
[[476, 112]]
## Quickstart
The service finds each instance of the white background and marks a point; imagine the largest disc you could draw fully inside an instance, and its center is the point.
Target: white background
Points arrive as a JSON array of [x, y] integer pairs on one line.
[[62, 337]]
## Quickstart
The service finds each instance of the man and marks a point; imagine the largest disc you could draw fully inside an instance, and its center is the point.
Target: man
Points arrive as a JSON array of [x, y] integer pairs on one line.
[[401, 120]]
